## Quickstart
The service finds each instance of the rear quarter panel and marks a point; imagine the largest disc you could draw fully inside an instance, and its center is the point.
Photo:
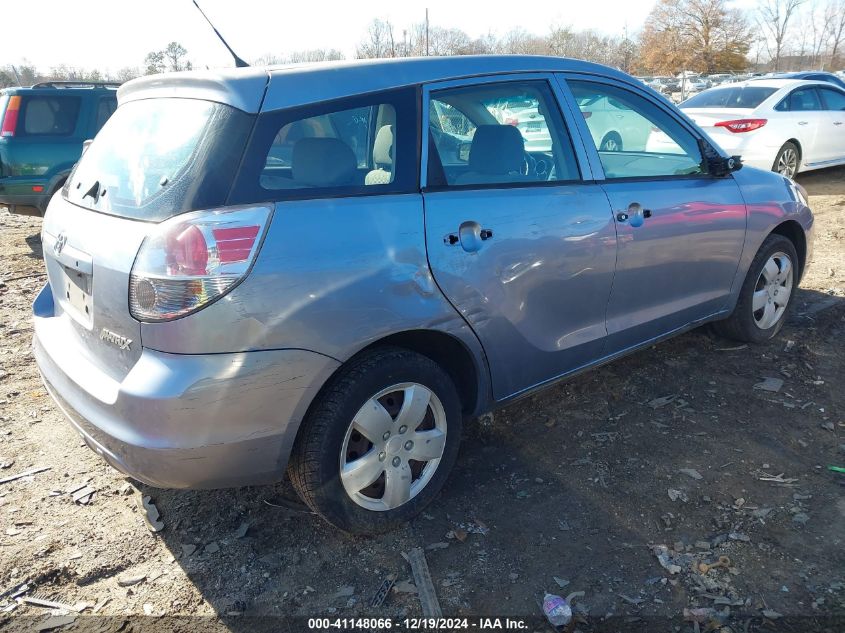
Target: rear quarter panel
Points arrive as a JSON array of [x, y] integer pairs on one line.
[[332, 276]]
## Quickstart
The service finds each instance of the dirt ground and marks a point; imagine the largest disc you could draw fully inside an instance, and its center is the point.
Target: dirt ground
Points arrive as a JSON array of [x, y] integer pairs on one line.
[[615, 484]]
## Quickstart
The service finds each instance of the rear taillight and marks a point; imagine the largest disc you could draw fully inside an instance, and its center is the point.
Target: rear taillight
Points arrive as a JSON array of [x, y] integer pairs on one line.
[[512, 121], [10, 117], [587, 115], [742, 125], [191, 260]]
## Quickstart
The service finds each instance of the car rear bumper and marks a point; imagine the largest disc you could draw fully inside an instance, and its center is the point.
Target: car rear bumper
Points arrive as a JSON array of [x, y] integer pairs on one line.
[[17, 194], [754, 151], [182, 421]]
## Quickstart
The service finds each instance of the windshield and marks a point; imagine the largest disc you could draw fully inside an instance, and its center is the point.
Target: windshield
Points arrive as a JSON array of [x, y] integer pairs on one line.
[[155, 158], [730, 97]]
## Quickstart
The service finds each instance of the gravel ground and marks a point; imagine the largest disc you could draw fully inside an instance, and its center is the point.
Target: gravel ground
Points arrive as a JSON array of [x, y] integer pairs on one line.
[[616, 484]]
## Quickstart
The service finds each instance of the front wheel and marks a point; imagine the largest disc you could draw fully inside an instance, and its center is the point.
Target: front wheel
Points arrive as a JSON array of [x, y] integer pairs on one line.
[[379, 444], [766, 293]]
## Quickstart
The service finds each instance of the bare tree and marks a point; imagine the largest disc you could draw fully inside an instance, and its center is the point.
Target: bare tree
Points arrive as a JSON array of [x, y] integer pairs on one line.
[[520, 42], [774, 17], [154, 63], [126, 73], [378, 42], [820, 24], [836, 12], [7, 78], [174, 56]]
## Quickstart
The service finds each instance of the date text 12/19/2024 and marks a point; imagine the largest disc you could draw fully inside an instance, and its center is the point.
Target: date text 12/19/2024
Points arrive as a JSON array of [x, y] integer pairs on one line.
[[417, 624]]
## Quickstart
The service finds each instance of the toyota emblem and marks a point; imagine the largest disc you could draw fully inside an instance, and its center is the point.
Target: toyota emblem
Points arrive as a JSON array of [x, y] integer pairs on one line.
[[61, 240]]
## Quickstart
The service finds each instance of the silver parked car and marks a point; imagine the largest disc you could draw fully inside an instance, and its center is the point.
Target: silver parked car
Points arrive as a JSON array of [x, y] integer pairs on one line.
[[326, 269]]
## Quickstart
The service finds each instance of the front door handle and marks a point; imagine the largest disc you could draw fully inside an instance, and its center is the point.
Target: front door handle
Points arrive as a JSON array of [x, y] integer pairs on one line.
[[837, 122], [802, 122], [635, 213]]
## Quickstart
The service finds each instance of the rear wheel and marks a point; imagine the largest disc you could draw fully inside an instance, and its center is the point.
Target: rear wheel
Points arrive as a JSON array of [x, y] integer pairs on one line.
[[612, 142], [787, 161], [379, 444], [766, 293]]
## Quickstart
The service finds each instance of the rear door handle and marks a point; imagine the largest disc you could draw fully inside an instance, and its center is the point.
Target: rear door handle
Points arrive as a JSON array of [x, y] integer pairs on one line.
[[802, 122], [837, 122], [469, 236]]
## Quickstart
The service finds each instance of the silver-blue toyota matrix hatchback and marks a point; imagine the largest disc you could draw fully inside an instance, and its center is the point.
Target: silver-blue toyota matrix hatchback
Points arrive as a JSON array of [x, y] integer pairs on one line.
[[324, 269]]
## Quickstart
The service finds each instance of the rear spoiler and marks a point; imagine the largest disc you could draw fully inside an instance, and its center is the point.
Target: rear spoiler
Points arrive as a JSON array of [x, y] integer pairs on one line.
[[241, 88]]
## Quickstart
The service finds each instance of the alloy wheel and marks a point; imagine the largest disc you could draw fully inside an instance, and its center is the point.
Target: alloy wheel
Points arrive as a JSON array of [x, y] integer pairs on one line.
[[788, 163], [393, 446], [610, 145], [772, 291]]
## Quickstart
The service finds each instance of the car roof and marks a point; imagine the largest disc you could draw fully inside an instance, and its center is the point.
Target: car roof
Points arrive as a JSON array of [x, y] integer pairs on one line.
[[804, 73], [301, 84], [50, 89]]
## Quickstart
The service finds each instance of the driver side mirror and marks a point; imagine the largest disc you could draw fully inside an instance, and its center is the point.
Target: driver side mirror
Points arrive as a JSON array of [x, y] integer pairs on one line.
[[86, 144], [713, 163]]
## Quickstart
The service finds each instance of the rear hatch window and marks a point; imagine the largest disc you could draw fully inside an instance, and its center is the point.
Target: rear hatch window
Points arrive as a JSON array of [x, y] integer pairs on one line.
[[732, 97], [157, 158]]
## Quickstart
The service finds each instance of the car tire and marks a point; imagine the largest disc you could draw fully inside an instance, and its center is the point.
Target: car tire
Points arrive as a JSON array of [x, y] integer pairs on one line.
[[345, 432], [788, 160], [611, 142], [758, 315]]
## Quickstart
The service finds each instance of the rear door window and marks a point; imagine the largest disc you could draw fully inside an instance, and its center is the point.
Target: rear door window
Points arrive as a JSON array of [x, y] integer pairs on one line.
[[49, 115], [498, 133], [833, 99], [800, 100]]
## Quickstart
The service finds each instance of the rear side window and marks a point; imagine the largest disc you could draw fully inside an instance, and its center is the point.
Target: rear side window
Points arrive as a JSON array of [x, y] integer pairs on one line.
[[156, 158], [105, 108], [361, 145], [49, 115], [351, 147], [731, 97]]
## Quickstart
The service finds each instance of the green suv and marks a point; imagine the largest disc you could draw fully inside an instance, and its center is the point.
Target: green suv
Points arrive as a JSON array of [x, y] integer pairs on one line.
[[42, 130]]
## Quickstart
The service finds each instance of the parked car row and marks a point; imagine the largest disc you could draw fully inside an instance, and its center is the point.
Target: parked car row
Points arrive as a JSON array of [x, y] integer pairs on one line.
[[42, 129], [787, 125], [691, 83]]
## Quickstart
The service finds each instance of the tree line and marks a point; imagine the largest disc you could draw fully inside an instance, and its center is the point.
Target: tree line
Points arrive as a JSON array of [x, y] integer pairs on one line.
[[699, 35]]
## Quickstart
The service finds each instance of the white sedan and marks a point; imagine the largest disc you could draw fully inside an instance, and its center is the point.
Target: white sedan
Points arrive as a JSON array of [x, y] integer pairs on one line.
[[783, 125]]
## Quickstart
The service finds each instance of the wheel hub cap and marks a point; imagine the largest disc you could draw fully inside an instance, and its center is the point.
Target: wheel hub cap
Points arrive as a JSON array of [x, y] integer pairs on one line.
[[393, 446], [772, 291]]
